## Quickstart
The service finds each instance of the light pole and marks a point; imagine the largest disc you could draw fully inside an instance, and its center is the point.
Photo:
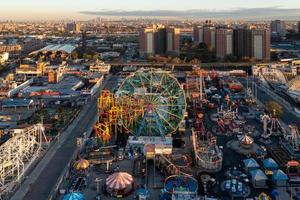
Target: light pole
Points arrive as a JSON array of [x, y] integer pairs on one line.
[[97, 181]]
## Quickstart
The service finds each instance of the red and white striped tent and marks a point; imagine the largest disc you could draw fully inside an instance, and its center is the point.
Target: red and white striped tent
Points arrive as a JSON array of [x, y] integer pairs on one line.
[[119, 181]]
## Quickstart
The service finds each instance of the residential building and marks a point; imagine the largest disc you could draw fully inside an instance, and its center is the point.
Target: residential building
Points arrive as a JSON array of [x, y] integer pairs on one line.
[[260, 44], [4, 57], [198, 34], [224, 42], [12, 49], [278, 27], [209, 36], [242, 43], [159, 40], [73, 27], [173, 41]]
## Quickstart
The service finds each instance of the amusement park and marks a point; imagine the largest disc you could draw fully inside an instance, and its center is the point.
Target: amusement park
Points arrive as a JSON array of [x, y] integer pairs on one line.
[[175, 135]]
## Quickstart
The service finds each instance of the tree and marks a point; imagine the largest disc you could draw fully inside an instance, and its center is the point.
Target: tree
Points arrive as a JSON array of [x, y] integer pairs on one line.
[[195, 61], [230, 58], [96, 57], [74, 55], [87, 56], [274, 108], [274, 56]]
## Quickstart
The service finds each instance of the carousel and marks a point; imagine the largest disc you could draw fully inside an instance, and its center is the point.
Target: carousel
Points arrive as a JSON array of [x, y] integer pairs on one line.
[[246, 141], [244, 144], [119, 184]]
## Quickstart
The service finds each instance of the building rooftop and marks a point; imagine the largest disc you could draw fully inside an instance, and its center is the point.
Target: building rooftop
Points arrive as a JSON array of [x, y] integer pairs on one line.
[[16, 103], [66, 48]]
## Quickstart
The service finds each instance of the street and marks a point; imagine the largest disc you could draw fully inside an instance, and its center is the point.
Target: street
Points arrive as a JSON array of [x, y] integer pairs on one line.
[[288, 116], [41, 182]]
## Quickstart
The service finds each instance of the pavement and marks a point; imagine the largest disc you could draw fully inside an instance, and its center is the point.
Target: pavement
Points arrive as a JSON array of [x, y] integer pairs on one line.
[[40, 183], [264, 95]]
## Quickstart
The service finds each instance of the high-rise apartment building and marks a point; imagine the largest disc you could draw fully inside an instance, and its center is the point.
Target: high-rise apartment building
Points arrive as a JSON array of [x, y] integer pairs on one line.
[[251, 43], [148, 40], [159, 40], [224, 42], [198, 34], [209, 36], [73, 27], [173, 41], [278, 27], [242, 43], [260, 39]]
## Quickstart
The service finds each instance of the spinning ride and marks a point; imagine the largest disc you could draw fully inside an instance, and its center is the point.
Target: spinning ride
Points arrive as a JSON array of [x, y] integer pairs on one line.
[[156, 101]]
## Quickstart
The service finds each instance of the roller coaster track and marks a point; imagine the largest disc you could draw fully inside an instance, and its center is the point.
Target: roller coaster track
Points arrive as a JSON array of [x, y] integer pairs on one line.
[[17, 155], [177, 169]]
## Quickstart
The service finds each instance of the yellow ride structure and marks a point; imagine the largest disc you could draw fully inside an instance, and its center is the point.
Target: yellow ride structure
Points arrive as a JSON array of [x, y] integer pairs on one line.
[[111, 110]]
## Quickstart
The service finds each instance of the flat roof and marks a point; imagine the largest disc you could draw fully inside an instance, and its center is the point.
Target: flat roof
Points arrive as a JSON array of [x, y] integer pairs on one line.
[[67, 48], [16, 102]]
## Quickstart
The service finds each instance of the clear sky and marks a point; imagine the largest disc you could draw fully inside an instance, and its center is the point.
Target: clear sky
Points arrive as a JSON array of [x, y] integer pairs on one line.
[[64, 9]]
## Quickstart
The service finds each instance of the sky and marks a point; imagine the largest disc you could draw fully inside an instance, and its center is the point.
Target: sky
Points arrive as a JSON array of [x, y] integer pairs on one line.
[[86, 9]]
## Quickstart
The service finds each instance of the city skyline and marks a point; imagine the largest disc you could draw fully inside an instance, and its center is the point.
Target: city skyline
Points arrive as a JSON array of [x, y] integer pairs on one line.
[[80, 10]]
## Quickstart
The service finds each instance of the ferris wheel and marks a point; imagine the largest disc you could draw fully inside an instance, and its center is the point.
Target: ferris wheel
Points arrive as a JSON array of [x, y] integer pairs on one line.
[[153, 103]]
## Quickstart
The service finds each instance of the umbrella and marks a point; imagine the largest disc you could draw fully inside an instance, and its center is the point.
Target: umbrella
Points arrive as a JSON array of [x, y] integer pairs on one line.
[[74, 196], [119, 180], [142, 192], [81, 164], [275, 193]]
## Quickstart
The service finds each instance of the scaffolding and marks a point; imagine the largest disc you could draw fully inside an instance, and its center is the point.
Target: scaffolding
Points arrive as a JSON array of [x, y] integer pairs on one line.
[[106, 115], [112, 110], [17, 155]]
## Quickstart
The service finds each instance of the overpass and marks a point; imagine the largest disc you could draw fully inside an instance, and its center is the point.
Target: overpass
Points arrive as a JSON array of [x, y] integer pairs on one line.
[[118, 66]]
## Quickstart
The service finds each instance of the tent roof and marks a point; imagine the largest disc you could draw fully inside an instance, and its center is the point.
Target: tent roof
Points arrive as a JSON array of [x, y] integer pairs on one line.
[[250, 163], [279, 175], [119, 180], [74, 196], [258, 175], [270, 163], [67, 48]]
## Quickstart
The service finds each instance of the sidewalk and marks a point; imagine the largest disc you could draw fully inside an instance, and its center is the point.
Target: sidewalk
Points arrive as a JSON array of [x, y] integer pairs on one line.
[[42, 165]]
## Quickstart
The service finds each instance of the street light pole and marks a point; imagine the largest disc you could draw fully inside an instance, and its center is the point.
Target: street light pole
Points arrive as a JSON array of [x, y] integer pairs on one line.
[[97, 181]]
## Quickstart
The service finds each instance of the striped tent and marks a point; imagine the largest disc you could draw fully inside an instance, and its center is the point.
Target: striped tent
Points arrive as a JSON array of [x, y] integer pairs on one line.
[[246, 140], [81, 164], [119, 181]]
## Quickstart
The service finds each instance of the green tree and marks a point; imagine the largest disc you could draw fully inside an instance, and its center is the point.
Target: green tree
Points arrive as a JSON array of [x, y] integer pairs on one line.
[[274, 108], [74, 55], [96, 57]]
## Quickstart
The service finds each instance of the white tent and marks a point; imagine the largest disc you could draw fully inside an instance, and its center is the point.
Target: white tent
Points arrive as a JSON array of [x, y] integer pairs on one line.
[[279, 178], [258, 178], [250, 164]]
